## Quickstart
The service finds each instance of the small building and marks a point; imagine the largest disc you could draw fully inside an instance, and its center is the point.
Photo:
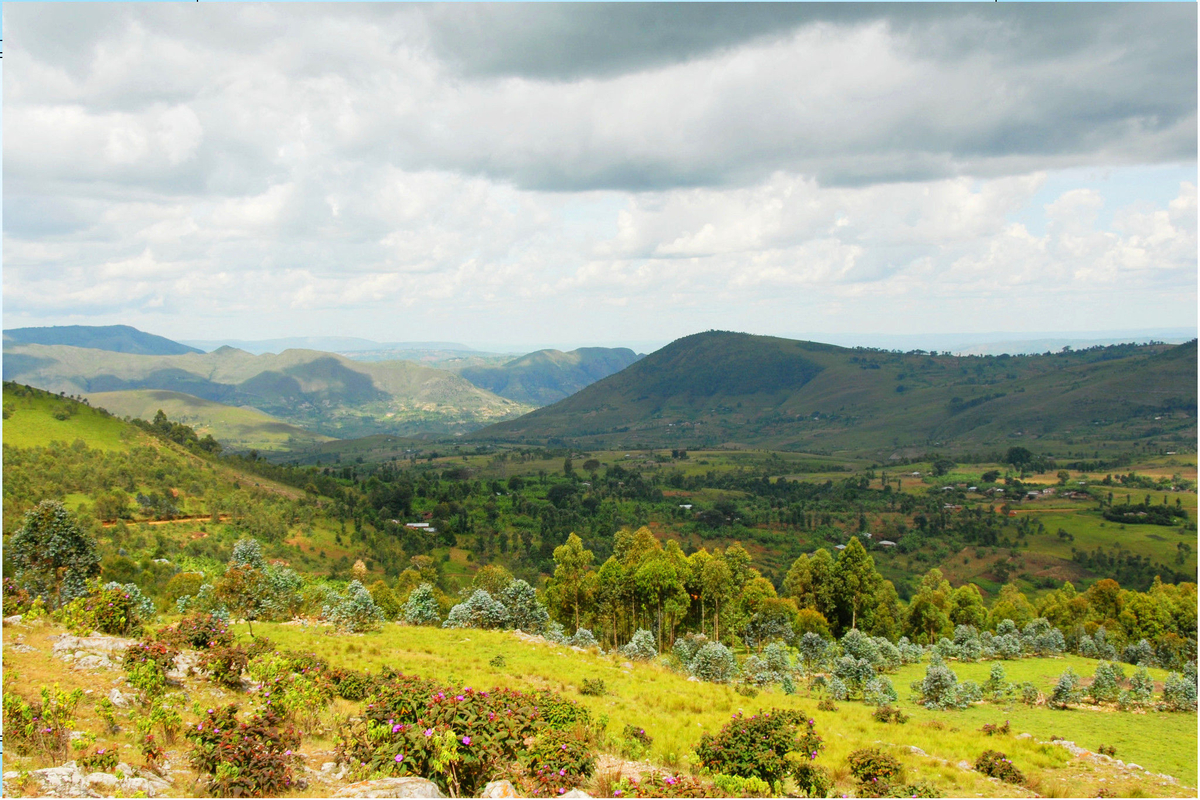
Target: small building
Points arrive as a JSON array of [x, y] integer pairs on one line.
[[686, 506], [839, 547], [416, 524], [886, 543]]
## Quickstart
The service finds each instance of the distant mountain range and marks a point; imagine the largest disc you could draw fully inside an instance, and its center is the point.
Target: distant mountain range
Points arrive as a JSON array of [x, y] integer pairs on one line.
[[548, 376], [329, 344], [322, 392], [114, 338], [720, 388]]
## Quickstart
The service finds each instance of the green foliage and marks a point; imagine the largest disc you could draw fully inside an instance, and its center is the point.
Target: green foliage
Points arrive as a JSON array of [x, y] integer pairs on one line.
[[353, 685], [888, 714], [480, 610], [104, 759], [1106, 682], [422, 607], [997, 687], [875, 771], [225, 664], [878, 691], [592, 687], [198, 631], [641, 646], [991, 729], [114, 611], [146, 665], [714, 663], [995, 764], [1067, 691], [53, 557], [41, 728], [354, 611], [940, 688], [758, 746], [736, 786], [1179, 692], [251, 758], [555, 762]]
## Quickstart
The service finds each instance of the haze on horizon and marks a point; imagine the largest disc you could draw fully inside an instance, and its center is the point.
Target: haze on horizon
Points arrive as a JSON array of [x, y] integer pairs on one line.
[[554, 173]]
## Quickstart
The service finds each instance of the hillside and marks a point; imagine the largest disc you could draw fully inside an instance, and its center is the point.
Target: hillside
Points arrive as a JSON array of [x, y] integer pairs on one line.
[[235, 428], [322, 392], [115, 338], [547, 376], [719, 388]]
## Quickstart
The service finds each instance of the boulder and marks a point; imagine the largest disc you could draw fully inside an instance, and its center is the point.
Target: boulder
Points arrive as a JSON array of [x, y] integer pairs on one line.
[[575, 793], [66, 780], [392, 787], [102, 783], [117, 699], [499, 789]]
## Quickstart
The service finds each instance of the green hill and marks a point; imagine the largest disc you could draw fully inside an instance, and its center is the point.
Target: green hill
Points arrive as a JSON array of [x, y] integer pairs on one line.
[[116, 338], [235, 428], [321, 392], [720, 388], [547, 376]]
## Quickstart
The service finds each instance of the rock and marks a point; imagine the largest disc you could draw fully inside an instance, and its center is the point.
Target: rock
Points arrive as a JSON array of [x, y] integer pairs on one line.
[[627, 665], [1131, 765], [499, 789], [93, 661], [151, 788], [61, 781], [392, 787], [15, 619], [328, 766], [102, 782], [965, 765], [1024, 735], [575, 793], [18, 647], [117, 699], [916, 751], [693, 679]]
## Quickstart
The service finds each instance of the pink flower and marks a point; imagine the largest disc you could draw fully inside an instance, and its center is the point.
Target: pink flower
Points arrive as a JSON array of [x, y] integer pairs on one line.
[[669, 780], [562, 771], [287, 752], [396, 728], [466, 740], [428, 732], [399, 757], [459, 697]]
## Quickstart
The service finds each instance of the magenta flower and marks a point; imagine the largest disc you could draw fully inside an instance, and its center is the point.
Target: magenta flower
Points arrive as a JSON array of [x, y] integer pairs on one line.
[[397, 728], [466, 740], [428, 732], [399, 757]]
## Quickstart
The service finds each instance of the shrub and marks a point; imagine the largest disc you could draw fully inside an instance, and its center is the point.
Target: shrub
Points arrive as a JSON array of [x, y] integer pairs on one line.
[[909, 653], [41, 728], [997, 687], [282, 598], [879, 691], [940, 688], [736, 786], [714, 663], [826, 704], [554, 762], [1141, 689], [479, 610], [837, 689], [1106, 682], [1066, 691], [757, 747], [889, 714], [146, 664], [967, 643], [996, 730], [1140, 654], [355, 686], [854, 673], [524, 610], [354, 611], [583, 638], [198, 630], [1040, 637], [16, 599], [385, 598], [103, 759], [1107, 750], [875, 771], [113, 611], [225, 664], [634, 742], [254, 758], [1029, 694], [641, 646], [654, 784], [107, 712], [996, 765], [247, 552], [499, 662], [814, 651], [592, 688], [1179, 693]]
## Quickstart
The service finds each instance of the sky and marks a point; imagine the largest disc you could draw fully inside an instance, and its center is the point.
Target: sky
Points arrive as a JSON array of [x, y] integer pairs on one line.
[[575, 174]]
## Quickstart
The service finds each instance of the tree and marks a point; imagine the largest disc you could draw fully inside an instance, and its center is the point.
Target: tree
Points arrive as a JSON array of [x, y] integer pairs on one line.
[[570, 573], [717, 583], [52, 555], [966, 606], [242, 589], [855, 580]]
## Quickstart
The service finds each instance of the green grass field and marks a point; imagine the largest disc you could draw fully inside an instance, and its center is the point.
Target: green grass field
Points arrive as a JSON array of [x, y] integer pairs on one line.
[[30, 421]]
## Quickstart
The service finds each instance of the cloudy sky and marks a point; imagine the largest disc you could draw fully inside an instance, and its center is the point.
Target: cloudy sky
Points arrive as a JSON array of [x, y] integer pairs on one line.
[[578, 174]]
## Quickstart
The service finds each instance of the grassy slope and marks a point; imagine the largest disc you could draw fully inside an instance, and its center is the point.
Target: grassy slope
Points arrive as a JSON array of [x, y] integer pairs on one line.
[[765, 391], [32, 423], [321, 391], [236, 428]]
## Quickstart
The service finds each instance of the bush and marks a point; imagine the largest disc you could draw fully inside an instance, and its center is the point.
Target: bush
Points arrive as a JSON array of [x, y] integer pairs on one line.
[[146, 664], [940, 688], [757, 747], [422, 607], [854, 673], [685, 647], [996, 765], [103, 759], [1107, 750], [1140, 654], [1029, 694], [653, 784], [354, 611], [524, 610], [879, 691], [1106, 682], [479, 610], [583, 638], [641, 646], [555, 762], [909, 653], [41, 728], [225, 664], [875, 771], [1066, 691], [1040, 637], [888, 714], [714, 663], [198, 630], [826, 704], [16, 599], [997, 687], [1179, 693], [996, 730], [814, 651], [254, 758], [735, 786], [113, 611], [593, 688], [355, 686], [499, 662]]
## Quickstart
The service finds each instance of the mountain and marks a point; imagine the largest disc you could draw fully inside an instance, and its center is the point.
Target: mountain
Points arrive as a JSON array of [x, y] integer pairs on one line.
[[115, 338], [322, 392], [235, 428], [720, 388], [330, 344], [548, 376]]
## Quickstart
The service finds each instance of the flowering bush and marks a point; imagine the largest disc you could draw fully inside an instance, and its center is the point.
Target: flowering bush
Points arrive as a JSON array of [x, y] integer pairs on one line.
[[875, 771], [147, 664], [102, 760], [351, 685], [758, 746], [198, 630], [996, 765], [41, 727], [113, 611], [16, 599], [225, 664], [254, 758], [555, 762]]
